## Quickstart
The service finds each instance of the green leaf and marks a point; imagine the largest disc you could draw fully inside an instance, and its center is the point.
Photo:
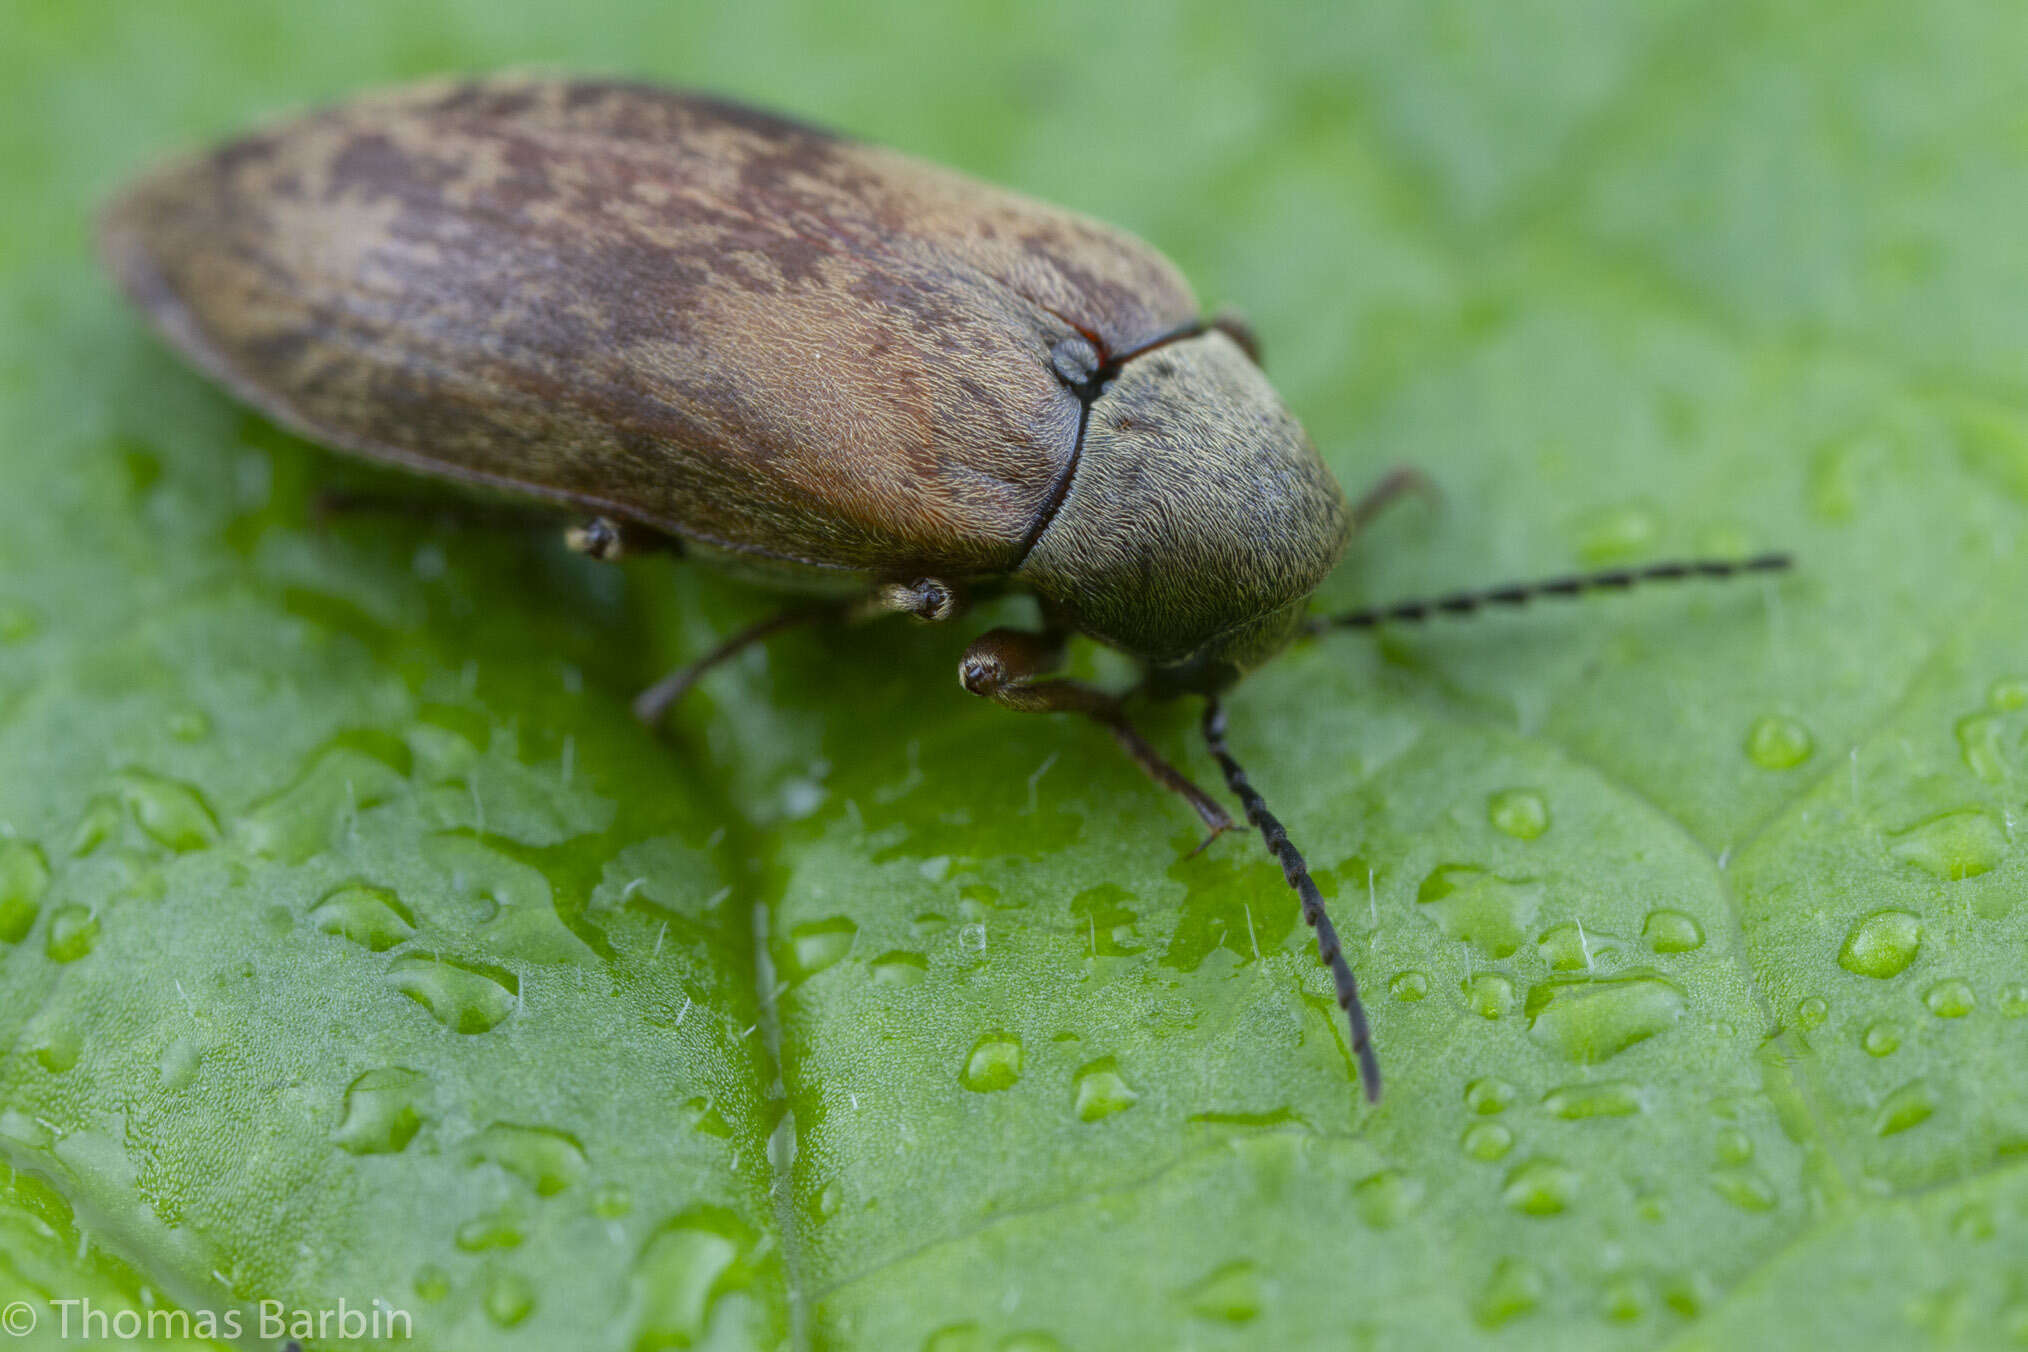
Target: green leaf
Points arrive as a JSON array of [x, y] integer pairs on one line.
[[356, 946]]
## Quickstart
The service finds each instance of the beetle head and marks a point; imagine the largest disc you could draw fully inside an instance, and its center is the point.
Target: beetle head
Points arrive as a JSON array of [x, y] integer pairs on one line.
[[1197, 521]]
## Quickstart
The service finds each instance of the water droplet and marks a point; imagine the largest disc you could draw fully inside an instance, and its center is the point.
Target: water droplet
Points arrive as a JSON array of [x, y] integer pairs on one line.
[[1540, 1187], [1488, 994], [1881, 945], [496, 1231], [383, 1111], [1408, 987], [994, 1064], [687, 1266], [190, 725], [830, 1198], [463, 998], [900, 967], [1687, 1295], [1487, 1141], [1668, 931], [1626, 1299], [610, 1201], [1607, 1098], [72, 932], [1489, 1094], [95, 825], [432, 1283], [24, 879], [955, 1338], [179, 1063], [544, 1158], [1950, 999], [1100, 1090], [1030, 1340], [703, 1117], [1520, 813], [509, 1298], [174, 815], [1979, 746], [1745, 1189], [1387, 1198], [1973, 1222], [1954, 845], [2008, 693], [1229, 1294], [17, 622], [1489, 912], [371, 917], [1514, 1289], [1777, 743], [817, 945], [1571, 947], [1811, 1011], [303, 819], [1734, 1146], [56, 1048], [1616, 534], [1881, 1038], [1589, 1019], [1909, 1106], [2014, 999]]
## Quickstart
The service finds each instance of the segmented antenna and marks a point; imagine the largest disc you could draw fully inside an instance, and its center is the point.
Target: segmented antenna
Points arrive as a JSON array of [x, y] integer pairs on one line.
[[1298, 875], [1520, 593]]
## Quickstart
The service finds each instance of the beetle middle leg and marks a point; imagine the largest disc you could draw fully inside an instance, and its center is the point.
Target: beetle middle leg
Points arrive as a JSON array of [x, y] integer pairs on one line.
[[1007, 666]]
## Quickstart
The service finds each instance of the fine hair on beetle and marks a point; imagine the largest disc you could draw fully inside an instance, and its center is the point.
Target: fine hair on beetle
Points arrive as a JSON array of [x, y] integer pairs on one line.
[[807, 361]]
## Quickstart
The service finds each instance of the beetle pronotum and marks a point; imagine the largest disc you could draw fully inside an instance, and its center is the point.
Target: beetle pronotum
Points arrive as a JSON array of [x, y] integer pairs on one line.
[[810, 361]]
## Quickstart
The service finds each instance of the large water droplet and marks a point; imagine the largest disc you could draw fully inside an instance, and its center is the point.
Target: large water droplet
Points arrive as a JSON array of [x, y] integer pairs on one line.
[[1667, 931], [1100, 1090], [687, 1266], [462, 997], [1606, 1098], [1589, 1019], [1777, 743], [383, 1111], [1881, 945], [1540, 1187], [24, 879], [900, 967], [371, 917], [1514, 1289], [1909, 1106], [172, 814], [509, 1299], [1520, 813], [1487, 1141], [544, 1158], [1950, 999], [1954, 845], [993, 1064], [818, 944], [73, 930], [1491, 913], [1229, 1294]]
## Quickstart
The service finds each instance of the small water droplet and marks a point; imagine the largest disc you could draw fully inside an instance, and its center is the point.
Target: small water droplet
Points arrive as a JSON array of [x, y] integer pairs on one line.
[[1100, 1090], [1520, 813], [462, 997], [900, 967], [1881, 945], [1489, 1094], [431, 1283], [1953, 845], [173, 814], [1387, 1198], [496, 1231], [190, 725], [73, 930], [1489, 912], [1777, 743], [1950, 999], [1591, 1019], [1881, 1038], [55, 1047], [1606, 1098], [830, 1198], [611, 1201], [544, 1158], [817, 945], [1811, 1011], [1667, 931], [703, 1117], [1625, 1299], [1540, 1187], [2008, 693], [383, 1111], [687, 1266], [24, 879], [1734, 1146], [2014, 1000], [1616, 534], [1229, 1293], [1979, 746], [1973, 1222], [1909, 1106], [17, 622], [372, 917], [1571, 947], [993, 1064], [1408, 987], [95, 825], [1487, 1141], [510, 1298], [1745, 1189], [179, 1064], [1488, 994], [955, 1338], [1514, 1289]]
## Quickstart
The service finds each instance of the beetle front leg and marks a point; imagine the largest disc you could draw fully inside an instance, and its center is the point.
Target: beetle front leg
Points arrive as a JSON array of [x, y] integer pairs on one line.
[[1006, 666]]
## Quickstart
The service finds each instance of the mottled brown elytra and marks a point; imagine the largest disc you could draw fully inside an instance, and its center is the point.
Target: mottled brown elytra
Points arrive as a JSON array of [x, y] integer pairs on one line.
[[811, 361]]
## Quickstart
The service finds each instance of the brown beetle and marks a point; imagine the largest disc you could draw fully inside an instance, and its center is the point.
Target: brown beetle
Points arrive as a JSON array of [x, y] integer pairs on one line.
[[814, 362]]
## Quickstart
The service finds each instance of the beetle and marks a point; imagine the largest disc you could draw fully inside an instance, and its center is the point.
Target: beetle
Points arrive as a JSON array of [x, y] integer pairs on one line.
[[809, 361]]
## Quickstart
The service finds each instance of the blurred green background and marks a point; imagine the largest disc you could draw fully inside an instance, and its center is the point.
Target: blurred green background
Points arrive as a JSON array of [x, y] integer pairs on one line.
[[354, 943]]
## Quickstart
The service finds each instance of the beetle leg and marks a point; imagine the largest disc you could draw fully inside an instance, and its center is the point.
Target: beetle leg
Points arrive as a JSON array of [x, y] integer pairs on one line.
[[1006, 666], [654, 702], [1395, 484], [609, 541], [929, 599]]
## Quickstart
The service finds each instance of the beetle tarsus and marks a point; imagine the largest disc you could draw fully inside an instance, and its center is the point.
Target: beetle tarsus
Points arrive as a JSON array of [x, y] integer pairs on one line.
[[1297, 872]]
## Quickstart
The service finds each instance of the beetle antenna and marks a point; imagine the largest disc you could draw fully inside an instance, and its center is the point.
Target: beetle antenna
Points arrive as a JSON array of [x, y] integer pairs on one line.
[[1520, 593], [1298, 874]]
